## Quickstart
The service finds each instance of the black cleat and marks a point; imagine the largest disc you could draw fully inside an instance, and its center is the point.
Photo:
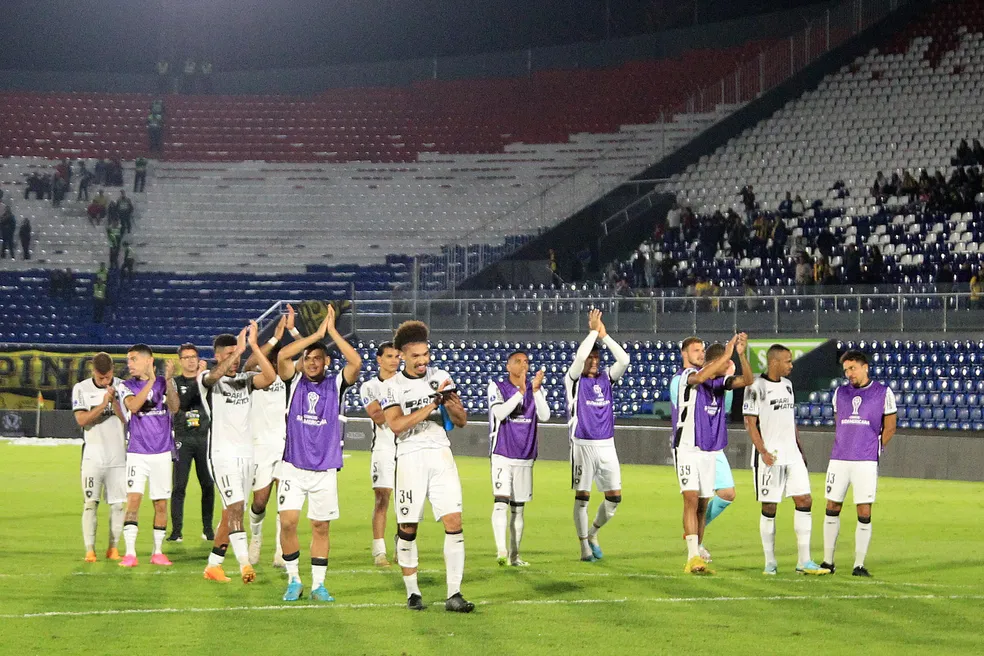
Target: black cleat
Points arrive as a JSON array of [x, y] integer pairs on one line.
[[826, 565], [175, 537], [415, 602], [457, 604], [861, 571]]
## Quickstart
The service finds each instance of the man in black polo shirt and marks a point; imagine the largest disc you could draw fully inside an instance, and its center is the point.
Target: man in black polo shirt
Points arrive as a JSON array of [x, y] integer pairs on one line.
[[191, 439]]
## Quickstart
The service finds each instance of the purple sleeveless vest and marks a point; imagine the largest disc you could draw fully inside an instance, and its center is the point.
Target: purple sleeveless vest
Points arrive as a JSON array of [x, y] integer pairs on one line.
[[860, 413], [314, 435], [516, 437]]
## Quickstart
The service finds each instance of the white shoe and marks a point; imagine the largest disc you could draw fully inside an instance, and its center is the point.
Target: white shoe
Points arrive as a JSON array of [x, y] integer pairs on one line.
[[278, 562], [704, 553], [380, 560], [254, 549], [518, 562]]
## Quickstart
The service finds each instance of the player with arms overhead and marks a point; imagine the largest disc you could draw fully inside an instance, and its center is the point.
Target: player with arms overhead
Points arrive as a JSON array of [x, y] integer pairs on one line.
[[515, 406], [150, 401], [313, 454], [778, 467], [864, 422], [228, 398], [98, 412], [383, 472], [700, 431], [591, 430], [425, 467]]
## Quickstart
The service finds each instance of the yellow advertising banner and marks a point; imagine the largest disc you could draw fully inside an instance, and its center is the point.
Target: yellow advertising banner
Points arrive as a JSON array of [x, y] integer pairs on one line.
[[25, 372]]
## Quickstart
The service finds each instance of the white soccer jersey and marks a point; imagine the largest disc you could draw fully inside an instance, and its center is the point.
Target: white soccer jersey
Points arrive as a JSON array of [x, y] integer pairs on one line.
[[775, 406], [268, 414], [372, 390], [105, 442], [413, 393], [228, 405], [684, 437]]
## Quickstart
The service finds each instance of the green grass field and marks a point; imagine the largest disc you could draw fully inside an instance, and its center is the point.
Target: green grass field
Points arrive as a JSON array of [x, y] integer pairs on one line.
[[927, 595]]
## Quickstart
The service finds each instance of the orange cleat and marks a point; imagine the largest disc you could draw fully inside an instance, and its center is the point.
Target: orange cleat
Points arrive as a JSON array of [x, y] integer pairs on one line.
[[113, 554], [248, 573], [90, 556], [215, 573]]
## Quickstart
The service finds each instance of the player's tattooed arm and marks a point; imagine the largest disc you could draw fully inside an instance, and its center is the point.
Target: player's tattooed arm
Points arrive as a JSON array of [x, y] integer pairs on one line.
[[216, 373], [170, 388], [267, 375], [353, 361], [714, 368], [747, 377], [267, 348], [286, 366]]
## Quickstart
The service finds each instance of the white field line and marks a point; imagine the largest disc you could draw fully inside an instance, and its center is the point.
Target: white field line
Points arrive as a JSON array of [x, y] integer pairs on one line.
[[516, 602]]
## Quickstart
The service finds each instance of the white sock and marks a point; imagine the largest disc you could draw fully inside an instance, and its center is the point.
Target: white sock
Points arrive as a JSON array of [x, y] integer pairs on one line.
[[239, 546], [159, 534], [378, 547], [116, 514], [215, 559], [411, 583], [90, 519], [862, 538], [831, 527], [406, 553], [256, 524], [803, 527], [691, 546], [516, 534], [278, 552], [130, 539], [454, 561], [605, 512], [499, 520], [581, 525], [292, 567], [318, 574], [767, 530]]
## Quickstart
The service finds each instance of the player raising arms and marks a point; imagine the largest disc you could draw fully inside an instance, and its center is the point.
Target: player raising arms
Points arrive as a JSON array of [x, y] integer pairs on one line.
[[150, 400], [98, 413], [777, 463], [864, 421], [591, 429], [313, 454], [425, 467], [228, 398], [515, 406], [700, 431], [383, 472]]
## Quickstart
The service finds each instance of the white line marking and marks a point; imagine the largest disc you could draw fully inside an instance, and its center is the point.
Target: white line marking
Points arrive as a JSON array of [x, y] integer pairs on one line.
[[516, 602]]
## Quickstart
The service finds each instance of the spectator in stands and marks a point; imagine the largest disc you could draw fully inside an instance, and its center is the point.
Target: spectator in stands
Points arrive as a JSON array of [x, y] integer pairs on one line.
[[25, 237], [978, 152], [667, 268], [761, 228], [99, 293], [64, 170], [61, 283], [851, 272], [965, 156], [139, 174], [85, 179], [737, 234], [673, 220], [840, 189], [113, 214], [99, 171], [8, 226], [748, 200], [964, 274], [59, 189], [822, 273], [977, 288], [115, 240], [874, 268], [786, 207], [780, 234], [798, 207], [688, 223], [825, 242], [155, 132], [804, 272], [945, 279], [125, 206], [878, 188], [751, 293], [639, 269], [32, 186], [126, 272]]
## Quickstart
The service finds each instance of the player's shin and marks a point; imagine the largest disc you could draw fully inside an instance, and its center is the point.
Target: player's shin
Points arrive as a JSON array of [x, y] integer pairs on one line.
[[291, 564], [831, 528], [581, 525], [767, 531], [803, 527], [499, 522], [715, 507], [237, 540], [516, 525], [90, 514], [454, 560], [406, 556], [606, 510], [116, 512], [862, 538]]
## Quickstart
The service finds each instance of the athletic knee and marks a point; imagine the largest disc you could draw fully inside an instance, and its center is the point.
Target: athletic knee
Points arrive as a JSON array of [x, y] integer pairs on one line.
[[319, 529], [833, 512], [90, 505], [727, 494], [585, 497], [769, 511], [404, 530], [516, 505], [502, 500], [452, 523]]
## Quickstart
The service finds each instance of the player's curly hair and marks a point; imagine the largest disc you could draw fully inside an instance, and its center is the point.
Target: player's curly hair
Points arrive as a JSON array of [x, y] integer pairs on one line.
[[410, 332]]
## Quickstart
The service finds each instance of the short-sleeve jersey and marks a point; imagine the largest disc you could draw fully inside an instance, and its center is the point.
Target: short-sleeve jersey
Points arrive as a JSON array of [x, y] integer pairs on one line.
[[773, 403], [228, 404], [409, 394], [374, 390], [268, 414], [105, 442]]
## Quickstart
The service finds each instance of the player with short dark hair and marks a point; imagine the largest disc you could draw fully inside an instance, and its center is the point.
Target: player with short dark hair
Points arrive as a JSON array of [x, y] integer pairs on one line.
[[97, 411], [864, 422], [425, 467]]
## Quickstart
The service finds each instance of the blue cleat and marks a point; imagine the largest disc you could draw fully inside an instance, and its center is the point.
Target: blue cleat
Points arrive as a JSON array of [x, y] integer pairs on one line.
[[294, 590], [588, 559], [595, 550], [811, 568], [770, 570], [320, 593]]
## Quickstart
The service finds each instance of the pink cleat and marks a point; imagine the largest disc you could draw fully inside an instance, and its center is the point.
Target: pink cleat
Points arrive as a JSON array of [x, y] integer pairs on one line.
[[160, 559], [128, 561]]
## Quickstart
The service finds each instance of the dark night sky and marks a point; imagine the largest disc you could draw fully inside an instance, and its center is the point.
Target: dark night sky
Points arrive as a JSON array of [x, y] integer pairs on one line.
[[129, 36]]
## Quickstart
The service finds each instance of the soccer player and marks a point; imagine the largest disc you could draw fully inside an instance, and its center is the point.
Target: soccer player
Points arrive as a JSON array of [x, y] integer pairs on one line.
[[268, 424], [98, 413], [693, 355], [699, 432], [425, 467], [313, 454], [777, 463], [150, 401], [230, 442], [591, 429], [515, 406], [383, 472], [864, 422], [191, 441]]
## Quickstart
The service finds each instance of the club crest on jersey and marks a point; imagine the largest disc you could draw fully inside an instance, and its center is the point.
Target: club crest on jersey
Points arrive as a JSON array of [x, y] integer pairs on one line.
[[312, 401], [597, 390], [752, 394], [789, 389], [434, 385], [855, 405]]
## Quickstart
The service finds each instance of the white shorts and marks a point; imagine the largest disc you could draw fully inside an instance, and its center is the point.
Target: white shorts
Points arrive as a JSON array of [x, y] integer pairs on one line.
[[774, 483], [595, 463], [426, 474], [512, 480], [320, 488], [696, 471], [861, 475], [266, 459], [383, 469], [233, 477], [101, 482], [151, 468]]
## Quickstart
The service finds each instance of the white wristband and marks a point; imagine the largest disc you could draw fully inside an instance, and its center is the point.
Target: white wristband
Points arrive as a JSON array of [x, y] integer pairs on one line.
[[295, 333], [273, 341]]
